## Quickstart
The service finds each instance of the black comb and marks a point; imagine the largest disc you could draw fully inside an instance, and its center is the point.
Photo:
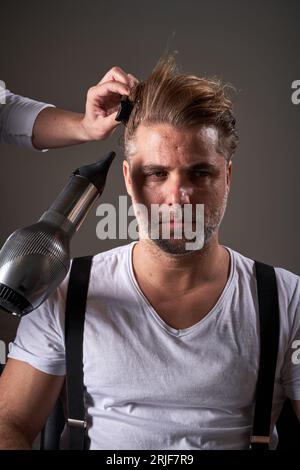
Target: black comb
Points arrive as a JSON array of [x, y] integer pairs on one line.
[[125, 109]]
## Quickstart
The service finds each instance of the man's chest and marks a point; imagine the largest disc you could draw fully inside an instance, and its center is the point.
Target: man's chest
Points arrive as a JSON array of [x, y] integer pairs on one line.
[[128, 353], [181, 311]]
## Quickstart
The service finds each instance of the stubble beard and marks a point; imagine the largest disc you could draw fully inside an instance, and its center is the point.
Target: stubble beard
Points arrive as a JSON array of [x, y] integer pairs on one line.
[[177, 247]]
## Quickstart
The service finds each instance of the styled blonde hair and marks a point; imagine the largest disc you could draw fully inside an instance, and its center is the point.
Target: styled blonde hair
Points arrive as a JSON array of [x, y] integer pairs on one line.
[[181, 100]]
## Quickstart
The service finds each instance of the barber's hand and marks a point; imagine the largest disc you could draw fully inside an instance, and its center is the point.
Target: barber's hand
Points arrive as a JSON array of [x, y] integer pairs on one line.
[[103, 101]]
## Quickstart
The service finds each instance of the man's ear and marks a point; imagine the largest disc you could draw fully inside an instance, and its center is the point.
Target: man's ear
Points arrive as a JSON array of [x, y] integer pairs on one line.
[[127, 177], [228, 174]]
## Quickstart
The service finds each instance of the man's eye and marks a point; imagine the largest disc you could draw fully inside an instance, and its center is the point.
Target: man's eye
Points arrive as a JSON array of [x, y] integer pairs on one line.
[[199, 173], [157, 174]]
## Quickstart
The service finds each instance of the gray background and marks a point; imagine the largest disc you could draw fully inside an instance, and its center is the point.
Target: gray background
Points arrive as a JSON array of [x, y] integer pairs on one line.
[[55, 50]]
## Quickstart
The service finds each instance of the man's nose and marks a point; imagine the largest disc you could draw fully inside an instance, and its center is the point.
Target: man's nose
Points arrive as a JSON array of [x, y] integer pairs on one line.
[[179, 191]]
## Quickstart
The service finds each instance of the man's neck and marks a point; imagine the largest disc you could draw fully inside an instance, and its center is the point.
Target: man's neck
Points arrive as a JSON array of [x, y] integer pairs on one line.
[[184, 272]]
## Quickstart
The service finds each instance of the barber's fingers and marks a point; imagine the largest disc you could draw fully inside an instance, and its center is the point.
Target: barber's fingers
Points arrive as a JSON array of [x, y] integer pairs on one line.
[[103, 102], [119, 75], [133, 80], [109, 89]]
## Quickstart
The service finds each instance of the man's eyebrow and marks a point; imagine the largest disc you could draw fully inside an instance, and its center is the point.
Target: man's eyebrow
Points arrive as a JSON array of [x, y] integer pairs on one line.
[[202, 165], [192, 166], [154, 167]]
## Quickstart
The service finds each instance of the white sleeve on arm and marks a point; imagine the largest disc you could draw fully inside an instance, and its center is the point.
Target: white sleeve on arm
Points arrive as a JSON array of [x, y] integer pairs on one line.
[[40, 336], [291, 367], [17, 117]]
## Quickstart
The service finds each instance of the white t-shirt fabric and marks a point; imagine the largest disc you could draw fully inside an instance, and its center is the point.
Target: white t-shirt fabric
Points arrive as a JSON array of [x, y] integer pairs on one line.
[[17, 118], [151, 386]]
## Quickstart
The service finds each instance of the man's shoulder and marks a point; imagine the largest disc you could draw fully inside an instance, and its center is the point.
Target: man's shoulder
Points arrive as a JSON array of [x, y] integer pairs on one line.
[[288, 282], [107, 260], [108, 266], [113, 256]]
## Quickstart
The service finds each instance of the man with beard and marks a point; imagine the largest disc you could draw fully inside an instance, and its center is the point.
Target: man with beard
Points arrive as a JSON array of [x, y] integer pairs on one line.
[[171, 334]]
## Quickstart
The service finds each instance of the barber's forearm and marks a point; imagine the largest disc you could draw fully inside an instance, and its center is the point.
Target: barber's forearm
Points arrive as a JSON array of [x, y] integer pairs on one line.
[[56, 127], [12, 438]]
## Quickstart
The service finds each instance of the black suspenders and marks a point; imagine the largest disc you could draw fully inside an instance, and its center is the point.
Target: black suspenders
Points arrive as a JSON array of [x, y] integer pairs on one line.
[[74, 328], [269, 338]]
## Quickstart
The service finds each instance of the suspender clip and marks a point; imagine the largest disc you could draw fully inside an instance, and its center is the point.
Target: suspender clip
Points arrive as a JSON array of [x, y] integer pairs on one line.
[[260, 439], [77, 423]]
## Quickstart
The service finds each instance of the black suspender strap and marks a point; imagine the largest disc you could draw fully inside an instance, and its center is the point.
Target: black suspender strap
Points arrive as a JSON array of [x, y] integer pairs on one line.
[[269, 339], [74, 328]]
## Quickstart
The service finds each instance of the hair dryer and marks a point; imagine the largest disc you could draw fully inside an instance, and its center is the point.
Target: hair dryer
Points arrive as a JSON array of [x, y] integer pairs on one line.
[[35, 259]]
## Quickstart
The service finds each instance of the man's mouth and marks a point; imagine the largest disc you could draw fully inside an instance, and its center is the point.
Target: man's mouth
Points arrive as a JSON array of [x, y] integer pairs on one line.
[[176, 220]]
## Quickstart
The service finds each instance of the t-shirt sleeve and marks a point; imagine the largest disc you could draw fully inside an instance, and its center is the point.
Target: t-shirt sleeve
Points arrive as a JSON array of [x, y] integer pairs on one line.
[[290, 373], [17, 118], [40, 336]]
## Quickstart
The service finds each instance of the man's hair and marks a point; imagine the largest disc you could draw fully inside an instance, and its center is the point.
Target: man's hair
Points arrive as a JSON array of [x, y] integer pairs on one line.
[[181, 100]]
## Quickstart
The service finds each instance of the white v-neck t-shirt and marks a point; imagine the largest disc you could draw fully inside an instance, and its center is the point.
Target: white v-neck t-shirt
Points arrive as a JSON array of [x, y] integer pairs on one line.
[[151, 386]]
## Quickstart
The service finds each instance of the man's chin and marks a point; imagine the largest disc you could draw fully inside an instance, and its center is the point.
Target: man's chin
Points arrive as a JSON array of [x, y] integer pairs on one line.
[[173, 246]]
